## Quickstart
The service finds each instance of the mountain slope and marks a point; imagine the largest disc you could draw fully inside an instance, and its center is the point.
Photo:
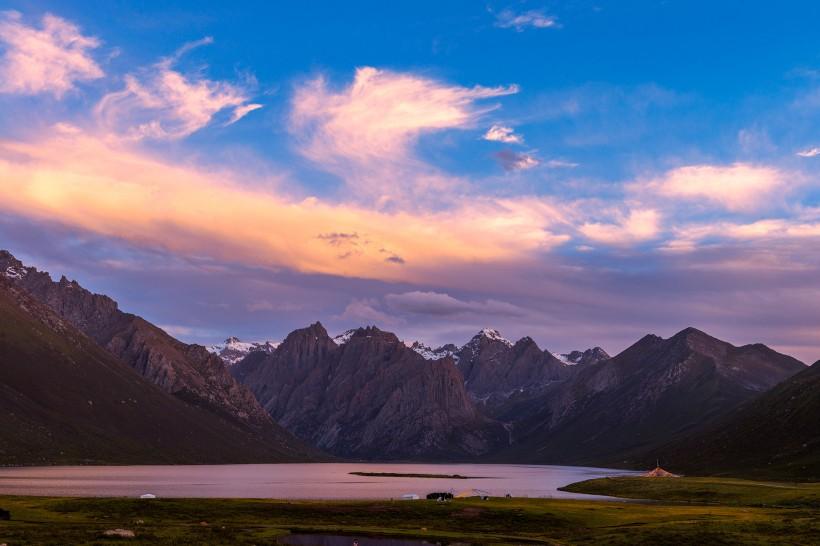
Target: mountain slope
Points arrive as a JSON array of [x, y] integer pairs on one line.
[[654, 391], [370, 397], [65, 400], [777, 434], [178, 368]]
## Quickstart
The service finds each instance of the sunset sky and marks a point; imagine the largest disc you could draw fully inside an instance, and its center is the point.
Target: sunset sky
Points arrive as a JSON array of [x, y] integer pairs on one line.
[[582, 172]]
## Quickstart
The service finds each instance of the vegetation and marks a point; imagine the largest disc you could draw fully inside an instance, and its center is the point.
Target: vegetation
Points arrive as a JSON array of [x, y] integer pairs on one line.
[[414, 475], [737, 513], [724, 491]]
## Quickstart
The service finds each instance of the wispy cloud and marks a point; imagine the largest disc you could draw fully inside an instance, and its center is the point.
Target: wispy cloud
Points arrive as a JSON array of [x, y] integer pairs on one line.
[[366, 132], [160, 102], [515, 161], [49, 59], [501, 133], [528, 19], [561, 164], [809, 152]]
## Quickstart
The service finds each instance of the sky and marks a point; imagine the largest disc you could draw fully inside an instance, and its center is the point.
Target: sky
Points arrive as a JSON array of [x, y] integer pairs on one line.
[[581, 172]]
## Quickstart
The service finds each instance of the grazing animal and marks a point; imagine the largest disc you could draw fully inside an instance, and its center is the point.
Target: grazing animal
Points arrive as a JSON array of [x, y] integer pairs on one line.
[[5, 514]]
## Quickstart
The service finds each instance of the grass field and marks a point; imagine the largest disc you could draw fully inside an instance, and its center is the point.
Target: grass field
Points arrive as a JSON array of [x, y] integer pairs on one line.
[[738, 513]]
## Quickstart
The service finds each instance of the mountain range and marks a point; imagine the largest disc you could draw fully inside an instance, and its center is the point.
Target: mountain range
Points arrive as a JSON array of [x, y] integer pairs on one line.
[[86, 382]]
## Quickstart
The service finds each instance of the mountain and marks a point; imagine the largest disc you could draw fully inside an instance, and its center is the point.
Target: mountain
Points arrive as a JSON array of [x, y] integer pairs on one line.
[[65, 400], [614, 411], [369, 396], [429, 353], [774, 435], [232, 350], [583, 358], [188, 371], [495, 368]]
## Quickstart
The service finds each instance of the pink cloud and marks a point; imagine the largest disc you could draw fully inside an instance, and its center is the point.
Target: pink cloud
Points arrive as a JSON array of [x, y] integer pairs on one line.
[[639, 225], [49, 59], [737, 187], [501, 133], [162, 103], [366, 132]]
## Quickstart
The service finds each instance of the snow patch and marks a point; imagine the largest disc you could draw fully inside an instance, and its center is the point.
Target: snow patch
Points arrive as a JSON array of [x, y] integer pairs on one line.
[[343, 338], [15, 272], [428, 353], [233, 350]]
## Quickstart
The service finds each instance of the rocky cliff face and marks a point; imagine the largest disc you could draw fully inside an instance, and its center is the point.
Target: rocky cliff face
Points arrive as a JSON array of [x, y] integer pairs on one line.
[[655, 390], [178, 368], [369, 397]]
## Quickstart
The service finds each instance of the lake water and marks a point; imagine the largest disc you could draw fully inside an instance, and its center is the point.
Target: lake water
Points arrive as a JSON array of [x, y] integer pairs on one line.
[[293, 481]]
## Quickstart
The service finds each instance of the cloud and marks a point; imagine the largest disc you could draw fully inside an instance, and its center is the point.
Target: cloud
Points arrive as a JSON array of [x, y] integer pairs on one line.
[[106, 188], [366, 132], [737, 187], [49, 59], [561, 164], [500, 133], [810, 152], [514, 161], [366, 311], [689, 237], [639, 225], [520, 21], [441, 305], [162, 103]]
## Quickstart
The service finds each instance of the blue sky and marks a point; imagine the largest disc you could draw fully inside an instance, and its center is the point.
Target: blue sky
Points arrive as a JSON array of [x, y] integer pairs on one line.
[[581, 172]]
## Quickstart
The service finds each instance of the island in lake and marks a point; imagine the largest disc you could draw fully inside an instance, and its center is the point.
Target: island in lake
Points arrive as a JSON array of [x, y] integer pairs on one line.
[[415, 475]]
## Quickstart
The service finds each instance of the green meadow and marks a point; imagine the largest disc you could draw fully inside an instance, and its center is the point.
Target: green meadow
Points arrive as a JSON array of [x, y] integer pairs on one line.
[[702, 511]]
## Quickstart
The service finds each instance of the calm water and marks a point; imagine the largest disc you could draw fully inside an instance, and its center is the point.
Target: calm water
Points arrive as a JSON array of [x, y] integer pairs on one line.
[[292, 481]]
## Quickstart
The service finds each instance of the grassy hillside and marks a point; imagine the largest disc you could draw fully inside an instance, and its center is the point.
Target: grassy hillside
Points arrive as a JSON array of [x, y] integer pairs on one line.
[[724, 491]]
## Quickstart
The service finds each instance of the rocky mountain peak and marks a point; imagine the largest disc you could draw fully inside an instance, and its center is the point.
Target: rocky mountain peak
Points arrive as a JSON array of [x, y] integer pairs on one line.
[[583, 358], [233, 350], [428, 353], [491, 334], [374, 333]]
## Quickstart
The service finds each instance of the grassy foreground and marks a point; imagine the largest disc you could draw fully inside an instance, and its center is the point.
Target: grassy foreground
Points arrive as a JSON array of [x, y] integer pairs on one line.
[[740, 513]]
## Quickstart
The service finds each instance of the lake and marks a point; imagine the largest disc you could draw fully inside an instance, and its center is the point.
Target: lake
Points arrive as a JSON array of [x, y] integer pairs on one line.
[[294, 481]]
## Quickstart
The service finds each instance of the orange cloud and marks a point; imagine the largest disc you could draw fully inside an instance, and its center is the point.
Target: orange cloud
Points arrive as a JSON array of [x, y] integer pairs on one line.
[[94, 185], [45, 60]]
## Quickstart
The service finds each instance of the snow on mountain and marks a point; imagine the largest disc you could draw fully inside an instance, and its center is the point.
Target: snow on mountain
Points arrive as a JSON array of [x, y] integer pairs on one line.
[[12, 272], [232, 350], [435, 354], [590, 356], [343, 338]]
